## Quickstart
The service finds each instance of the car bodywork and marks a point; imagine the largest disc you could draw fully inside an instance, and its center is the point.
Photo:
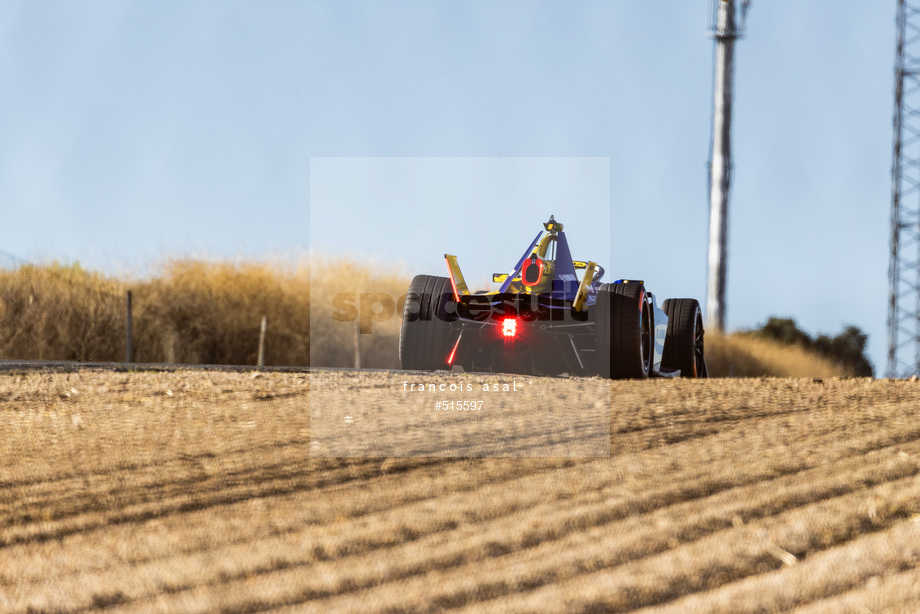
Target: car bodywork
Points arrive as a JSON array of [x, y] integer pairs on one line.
[[542, 319]]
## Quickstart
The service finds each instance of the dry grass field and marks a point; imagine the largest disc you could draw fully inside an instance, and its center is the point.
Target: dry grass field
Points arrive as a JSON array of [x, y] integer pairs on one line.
[[197, 492]]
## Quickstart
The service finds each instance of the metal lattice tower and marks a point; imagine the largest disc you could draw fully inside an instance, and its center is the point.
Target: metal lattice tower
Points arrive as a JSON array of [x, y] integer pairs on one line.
[[725, 28], [904, 265]]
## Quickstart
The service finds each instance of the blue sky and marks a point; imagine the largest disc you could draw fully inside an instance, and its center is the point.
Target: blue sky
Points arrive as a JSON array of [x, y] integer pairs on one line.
[[130, 131]]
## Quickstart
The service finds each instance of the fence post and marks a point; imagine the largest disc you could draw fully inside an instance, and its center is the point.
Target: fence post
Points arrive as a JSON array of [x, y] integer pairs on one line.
[[261, 361], [357, 344], [129, 325]]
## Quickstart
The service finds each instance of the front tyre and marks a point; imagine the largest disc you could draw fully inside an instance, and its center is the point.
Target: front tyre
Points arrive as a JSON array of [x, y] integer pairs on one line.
[[683, 345], [425, 338]]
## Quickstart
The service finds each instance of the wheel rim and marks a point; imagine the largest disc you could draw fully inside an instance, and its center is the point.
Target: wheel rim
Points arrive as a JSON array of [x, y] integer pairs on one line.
[[698, 345], [645, 347]]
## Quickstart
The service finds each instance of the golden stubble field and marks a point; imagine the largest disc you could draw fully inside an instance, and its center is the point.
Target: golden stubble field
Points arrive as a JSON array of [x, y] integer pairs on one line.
[[197, 491]]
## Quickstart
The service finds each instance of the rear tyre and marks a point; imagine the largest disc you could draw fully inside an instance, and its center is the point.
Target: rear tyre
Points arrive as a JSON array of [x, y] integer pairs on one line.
[[425, 339], [623, 324], [683, 345]]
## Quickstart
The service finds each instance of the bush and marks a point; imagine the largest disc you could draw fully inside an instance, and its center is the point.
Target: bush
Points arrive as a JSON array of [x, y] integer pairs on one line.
[[58, 312], [202, 312], [747, 355], [847, 349]]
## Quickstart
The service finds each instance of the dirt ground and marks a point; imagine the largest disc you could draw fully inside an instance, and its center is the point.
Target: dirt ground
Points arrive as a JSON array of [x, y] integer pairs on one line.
[[202, 491]]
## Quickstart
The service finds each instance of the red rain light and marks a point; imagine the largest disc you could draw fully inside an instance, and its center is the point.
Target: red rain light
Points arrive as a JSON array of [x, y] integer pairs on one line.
[[509, 327]]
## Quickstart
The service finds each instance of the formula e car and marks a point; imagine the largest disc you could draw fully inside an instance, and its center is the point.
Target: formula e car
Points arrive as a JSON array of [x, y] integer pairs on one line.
[[545, 320]]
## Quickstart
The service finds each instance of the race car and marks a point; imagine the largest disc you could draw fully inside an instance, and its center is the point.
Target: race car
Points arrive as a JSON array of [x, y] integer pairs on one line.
[[545, 320]]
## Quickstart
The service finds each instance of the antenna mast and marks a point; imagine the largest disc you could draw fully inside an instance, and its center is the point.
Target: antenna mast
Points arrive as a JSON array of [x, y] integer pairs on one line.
[[725, 28], [904, 265]]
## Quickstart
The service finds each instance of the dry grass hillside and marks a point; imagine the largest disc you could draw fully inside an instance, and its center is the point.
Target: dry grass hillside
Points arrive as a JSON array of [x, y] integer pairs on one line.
[[739, 355]]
